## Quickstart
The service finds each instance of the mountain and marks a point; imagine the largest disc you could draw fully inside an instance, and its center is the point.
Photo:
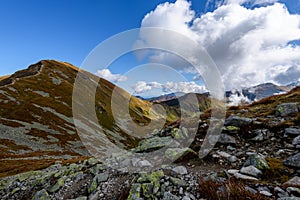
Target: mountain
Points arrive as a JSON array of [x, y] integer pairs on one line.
[[36, 119], [165, 97], [294, 84], [258, 92]]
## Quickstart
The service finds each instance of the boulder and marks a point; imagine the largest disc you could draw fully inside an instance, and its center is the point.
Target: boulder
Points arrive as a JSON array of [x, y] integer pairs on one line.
[[237, 121], [226, 139], [286, 109], [251, 171], [257, 161], [42, 194], [294, 182], [180, 170], [169, 196], [154, 143], [293, 161], [296, 141], [245, 177], [292, 131]]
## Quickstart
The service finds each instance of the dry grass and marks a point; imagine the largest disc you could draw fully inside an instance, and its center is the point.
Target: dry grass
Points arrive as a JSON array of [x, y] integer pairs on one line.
[[4, 77], [13, 167], [229, 190]]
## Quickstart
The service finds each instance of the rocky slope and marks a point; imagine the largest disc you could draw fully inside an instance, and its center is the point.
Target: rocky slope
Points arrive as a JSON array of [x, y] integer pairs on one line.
[[256, 157]]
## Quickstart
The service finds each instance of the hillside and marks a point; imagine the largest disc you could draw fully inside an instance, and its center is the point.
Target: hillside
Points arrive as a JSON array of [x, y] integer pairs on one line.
[[36, 122]]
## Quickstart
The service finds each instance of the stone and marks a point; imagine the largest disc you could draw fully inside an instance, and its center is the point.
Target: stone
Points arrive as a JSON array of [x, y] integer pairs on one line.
[[102, 177], [265, 193], [93, 186], [180, 170], [60, 182], [257, 161], [135, 192], [292, 131], [232, 159], [293, 190], [147, 189], [176, 153], [294, 182], [293, 161], [289, 198], [144, 163], [223, 154], [237, 121], [245, 177], [153, 144], [177, 182], [81, 198], [169, 196], [286, 109], [296, 141], [42, 194], [226, 139], [251, 171], [233, 171], [186, 198]]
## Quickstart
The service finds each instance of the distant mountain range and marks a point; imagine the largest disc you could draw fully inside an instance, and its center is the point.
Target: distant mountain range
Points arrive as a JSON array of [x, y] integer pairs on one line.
[[254, 93]]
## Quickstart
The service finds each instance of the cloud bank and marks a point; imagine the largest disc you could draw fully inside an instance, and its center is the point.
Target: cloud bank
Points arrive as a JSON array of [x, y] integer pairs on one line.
[[106, 74], [249, 46], [169, 87]]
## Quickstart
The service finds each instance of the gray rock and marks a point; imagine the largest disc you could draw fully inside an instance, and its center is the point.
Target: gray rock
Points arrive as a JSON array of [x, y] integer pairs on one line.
[[226, 139], [293, 190], [233, 171], [135, 192], [289, 198], [295, 182], [186, 198], [245, 177], [250, 189], [293, 161], [265, 193], [144, 163], [42, 194], [251, 171], [286, 109], [237, 121], [257, 161], [102, 177], [169, 196], [292, 131], [81, 198], [296, 141], [223, 154], [153, 144], [232, 159], [180, 170]]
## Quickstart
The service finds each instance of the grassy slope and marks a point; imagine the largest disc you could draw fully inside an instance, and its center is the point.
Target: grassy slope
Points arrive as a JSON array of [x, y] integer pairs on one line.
[[21, 86]]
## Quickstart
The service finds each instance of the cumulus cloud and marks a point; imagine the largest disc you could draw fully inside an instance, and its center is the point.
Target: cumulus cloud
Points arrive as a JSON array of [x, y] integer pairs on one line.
[[248, 45], [169, 87], [106, 74], [142, 86], [213, 4]]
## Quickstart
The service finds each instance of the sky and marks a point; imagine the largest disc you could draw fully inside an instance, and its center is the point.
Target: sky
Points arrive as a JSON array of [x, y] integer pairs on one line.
[[250, 41]]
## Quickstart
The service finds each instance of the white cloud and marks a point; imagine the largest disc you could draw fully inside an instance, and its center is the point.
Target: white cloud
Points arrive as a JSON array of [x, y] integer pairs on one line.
[[168, 87], [106, 74], [185, 87], [142, 86], [246, 44]]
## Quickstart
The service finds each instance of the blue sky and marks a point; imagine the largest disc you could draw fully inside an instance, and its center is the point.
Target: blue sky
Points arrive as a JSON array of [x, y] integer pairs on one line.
[[67, 30]]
